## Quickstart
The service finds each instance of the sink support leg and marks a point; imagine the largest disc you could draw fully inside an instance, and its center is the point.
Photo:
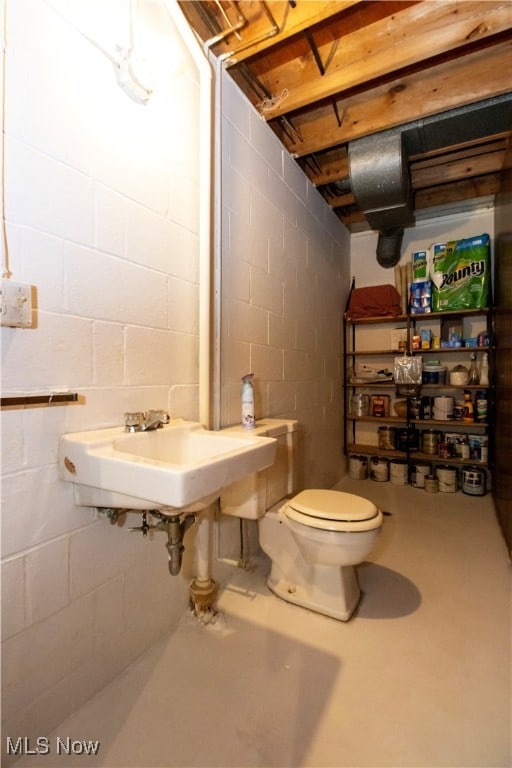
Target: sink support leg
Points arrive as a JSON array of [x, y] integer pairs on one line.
[[203, 589]]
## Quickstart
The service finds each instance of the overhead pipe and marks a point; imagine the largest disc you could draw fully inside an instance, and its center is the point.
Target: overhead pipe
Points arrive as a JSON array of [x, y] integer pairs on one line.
[[230, 56]]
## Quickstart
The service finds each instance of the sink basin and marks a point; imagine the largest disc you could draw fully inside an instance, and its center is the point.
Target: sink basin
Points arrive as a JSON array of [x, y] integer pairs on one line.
[[180, 465]]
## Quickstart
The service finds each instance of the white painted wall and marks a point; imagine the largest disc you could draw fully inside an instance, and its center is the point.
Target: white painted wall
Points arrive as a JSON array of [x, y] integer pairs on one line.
[[285, 274], [101, 207], [363, 261], [101, 200]]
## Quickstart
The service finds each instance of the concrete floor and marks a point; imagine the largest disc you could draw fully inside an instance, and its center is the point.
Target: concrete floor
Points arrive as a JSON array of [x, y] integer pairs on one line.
[[420, 676]]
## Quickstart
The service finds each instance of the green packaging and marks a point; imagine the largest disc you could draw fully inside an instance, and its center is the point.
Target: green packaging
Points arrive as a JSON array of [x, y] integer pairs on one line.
[[461, 274], [420, 267]]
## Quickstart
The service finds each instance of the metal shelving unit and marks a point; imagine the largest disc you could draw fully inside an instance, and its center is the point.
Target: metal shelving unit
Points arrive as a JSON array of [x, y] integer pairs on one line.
[[352, 353]]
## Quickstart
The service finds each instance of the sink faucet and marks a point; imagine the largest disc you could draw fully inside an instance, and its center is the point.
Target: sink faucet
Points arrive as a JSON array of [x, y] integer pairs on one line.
[[145, 422]]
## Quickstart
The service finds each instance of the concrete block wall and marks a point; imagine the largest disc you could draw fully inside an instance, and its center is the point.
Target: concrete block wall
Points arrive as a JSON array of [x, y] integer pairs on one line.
[[285, 278], [101, 201]]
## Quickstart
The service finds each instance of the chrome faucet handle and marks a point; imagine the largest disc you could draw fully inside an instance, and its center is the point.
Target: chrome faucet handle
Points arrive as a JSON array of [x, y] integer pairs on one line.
[[157, 415], [133, 420]]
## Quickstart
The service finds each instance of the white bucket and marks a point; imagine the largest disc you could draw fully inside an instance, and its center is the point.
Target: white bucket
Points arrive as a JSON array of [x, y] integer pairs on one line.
[[419, 471], [447, 477], [398, 472], [443, 408], [379, 469], [358, 467]]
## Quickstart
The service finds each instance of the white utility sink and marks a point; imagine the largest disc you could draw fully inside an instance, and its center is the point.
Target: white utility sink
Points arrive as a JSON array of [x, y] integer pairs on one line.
[[180, 465]]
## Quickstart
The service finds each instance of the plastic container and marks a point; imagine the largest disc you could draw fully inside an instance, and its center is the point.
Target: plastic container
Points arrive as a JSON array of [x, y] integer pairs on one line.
[[459, 376], [434, 373]]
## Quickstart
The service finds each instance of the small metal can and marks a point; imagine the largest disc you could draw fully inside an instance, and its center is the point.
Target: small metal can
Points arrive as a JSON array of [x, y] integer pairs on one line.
[[427, 407], [444, 450], [360, 405], [431, 484]]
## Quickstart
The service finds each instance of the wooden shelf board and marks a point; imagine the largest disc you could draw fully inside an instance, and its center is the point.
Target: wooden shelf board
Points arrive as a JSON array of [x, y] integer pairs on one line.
[[369, 352], [375, 320], [451, 423], [448, 424], [381, 419], [449, 350], [421, 317], [374, 450], [386, 385]]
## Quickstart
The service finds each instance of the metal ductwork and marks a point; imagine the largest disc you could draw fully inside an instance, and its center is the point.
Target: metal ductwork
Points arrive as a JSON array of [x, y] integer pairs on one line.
[[380, 183], [379, 177]]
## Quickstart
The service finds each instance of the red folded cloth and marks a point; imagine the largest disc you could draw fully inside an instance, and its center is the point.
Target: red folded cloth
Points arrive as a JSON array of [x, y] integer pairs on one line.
[[374, 301]]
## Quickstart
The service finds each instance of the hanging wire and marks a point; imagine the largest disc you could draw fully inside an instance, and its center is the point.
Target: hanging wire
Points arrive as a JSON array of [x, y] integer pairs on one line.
[[125, 76]]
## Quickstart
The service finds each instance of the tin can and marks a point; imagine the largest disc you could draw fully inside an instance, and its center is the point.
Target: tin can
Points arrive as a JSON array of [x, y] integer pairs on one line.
[[398, 474], [380, 405], [379, 469], [447, 477], [444, 450], [419, 471], [427, 407], [474, 481], [358, 467], [387, 438], [431, 484], [408, 439], [415, 407], [430, 439], [360, 405]]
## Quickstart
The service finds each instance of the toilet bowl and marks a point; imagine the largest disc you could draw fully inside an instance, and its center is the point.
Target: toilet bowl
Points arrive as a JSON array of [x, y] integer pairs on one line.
[[314, 538], [314, 541]]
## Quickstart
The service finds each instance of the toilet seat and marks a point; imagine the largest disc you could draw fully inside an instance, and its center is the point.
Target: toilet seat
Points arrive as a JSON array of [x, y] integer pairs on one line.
[[333, 511]]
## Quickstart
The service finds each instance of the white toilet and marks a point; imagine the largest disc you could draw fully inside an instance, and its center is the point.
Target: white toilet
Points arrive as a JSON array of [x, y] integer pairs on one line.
[[314, 539]]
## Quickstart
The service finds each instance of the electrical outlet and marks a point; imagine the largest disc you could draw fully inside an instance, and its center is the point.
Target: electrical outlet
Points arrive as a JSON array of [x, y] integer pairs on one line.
[[15, 304]]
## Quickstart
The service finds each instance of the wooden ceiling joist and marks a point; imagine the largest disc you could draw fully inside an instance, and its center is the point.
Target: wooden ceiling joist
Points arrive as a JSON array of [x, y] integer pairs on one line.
[[326, 73]]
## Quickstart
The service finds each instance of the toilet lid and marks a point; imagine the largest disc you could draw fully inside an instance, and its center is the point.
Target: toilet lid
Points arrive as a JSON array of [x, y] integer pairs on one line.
[[333, 510]]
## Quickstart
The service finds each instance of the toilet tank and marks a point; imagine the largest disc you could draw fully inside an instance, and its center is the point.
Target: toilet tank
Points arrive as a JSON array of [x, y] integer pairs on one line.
[[253, 495]]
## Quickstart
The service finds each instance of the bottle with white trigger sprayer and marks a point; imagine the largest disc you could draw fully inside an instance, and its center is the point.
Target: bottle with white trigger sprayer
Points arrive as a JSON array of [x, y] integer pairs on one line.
[[248, 421]]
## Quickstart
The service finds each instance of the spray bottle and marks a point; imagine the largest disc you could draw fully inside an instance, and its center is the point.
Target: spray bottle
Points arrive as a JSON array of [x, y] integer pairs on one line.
[[248, 421]]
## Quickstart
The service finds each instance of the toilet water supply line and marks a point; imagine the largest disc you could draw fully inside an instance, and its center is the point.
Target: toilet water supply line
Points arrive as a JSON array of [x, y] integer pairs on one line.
[[203, 589]]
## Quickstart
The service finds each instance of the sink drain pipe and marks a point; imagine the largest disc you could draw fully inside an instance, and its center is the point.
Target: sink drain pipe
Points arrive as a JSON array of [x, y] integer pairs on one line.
[[173, 525], [176, 530]]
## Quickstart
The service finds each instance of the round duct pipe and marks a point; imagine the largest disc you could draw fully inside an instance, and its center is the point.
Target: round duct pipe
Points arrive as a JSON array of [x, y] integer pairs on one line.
[[380, 183], [389, 245]]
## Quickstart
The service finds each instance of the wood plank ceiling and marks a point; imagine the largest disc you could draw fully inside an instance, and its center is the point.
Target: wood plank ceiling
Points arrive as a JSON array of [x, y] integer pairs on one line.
[[324, 74]]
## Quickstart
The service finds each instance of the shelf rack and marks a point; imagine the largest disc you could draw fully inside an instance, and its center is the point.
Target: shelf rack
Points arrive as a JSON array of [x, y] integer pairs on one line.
[[351, 354]]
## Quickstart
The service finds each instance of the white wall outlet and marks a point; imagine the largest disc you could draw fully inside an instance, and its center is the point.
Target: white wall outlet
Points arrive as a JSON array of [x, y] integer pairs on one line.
[[15, 304]]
